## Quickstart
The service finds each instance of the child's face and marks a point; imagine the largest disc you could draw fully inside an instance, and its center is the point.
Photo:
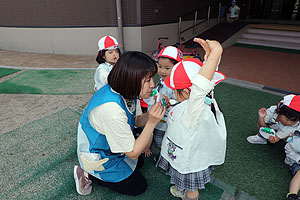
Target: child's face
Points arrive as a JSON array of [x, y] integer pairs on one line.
[[285, 121], [111, 56], [147, 86], [164, 67]]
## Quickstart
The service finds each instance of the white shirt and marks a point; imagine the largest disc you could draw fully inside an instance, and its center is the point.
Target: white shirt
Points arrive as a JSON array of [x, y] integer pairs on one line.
[[111, 120], [281, 131], [234, 11], [101, 74]]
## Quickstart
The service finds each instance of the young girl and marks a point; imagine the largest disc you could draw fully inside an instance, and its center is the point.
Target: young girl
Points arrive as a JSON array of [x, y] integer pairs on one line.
[[167, 58], [196, 135], [283, 118], [108, 55]]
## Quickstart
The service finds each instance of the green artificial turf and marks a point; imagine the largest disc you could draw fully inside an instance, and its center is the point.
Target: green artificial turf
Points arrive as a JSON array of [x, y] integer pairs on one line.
[[7, 71], [256, 169], [37, 159], [37, 162], [293, 51], [50, 82]]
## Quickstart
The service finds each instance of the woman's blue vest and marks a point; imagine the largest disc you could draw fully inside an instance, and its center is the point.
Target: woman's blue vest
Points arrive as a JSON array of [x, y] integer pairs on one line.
[[119, 166]]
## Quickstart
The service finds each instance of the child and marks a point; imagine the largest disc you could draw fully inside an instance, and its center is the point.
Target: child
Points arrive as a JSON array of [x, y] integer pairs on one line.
[[108, 55], [196, 135], [292, 150], [167, 58], [234, 12], [283, 118]]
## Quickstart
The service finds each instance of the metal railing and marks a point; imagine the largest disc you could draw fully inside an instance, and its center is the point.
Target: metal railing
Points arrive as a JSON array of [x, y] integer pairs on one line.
[[195, 21]]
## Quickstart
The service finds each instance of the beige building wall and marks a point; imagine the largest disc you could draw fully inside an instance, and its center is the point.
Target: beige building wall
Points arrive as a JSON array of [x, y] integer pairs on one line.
[[84, 41]]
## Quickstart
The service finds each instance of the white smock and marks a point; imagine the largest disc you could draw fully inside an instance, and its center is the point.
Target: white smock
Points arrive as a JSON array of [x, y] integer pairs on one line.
[[194, 147]]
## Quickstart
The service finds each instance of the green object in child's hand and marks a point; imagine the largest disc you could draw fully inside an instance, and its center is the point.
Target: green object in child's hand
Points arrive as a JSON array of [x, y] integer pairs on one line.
[[268, 130], [153, 93]]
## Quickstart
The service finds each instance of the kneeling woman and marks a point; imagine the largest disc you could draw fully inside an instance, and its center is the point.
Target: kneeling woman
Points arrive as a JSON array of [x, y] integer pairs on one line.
[[107, 150]]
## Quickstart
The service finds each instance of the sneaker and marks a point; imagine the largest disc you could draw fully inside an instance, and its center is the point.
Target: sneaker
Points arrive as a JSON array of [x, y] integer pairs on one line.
[[287, 161], [292, 197], [176, 193], [255, 139], [83, 183]]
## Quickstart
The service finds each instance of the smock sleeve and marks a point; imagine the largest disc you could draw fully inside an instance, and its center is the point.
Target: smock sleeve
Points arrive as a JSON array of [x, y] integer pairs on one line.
[[111, 120], [196, 106], [270, 114]]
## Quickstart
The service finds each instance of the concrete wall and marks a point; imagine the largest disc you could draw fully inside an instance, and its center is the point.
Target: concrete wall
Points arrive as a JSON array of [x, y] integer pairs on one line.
[[83, 41], [73, 41]]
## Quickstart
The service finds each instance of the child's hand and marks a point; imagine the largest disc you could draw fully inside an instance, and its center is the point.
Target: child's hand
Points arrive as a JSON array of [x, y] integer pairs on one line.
[[204, 45], [273, 139], [147, 152], [167, 100], [262, 112], [208, 46]]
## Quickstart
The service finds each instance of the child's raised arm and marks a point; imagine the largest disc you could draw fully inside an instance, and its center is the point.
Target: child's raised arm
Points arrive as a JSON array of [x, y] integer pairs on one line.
[[213, 52]]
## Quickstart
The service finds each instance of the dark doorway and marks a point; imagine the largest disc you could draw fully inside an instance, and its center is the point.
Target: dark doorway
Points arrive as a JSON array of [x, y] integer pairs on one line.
[[274, 9]]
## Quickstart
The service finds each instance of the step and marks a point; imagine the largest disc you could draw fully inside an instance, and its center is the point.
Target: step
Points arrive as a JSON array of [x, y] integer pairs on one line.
[[274, 32], [269, 43], [277, 27], [267, 37]]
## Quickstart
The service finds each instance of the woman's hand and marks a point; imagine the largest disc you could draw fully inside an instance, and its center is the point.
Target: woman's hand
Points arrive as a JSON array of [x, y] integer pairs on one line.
[[156, 113]]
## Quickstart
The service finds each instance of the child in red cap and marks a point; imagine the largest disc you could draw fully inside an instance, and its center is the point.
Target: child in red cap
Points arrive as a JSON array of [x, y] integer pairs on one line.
[[196, 135], [292, 150], [283, 119], [167, 58], [108, 55]]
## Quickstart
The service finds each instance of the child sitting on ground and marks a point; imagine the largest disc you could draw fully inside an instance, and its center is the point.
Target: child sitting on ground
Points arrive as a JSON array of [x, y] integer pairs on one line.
[[283, 118], [196, 135], [292, 150], [167, 58], [108, 55]]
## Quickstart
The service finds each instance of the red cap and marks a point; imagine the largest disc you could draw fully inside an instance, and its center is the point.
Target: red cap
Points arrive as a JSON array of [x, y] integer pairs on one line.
[[184, 71], [171, 52], [292, 101], [108, 42]]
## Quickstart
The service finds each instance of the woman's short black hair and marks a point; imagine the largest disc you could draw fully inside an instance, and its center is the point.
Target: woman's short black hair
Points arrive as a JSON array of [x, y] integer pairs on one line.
[[129, 71], [101, 54], [291, 114]]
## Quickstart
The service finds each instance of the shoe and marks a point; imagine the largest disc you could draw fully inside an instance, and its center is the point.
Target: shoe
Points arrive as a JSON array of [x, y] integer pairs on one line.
[[176, 193], [83, 183], [287, 161], [255, 139], [292, 197]]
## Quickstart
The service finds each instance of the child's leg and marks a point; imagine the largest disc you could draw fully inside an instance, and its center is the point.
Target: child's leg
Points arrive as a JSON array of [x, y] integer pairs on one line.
[[295, 183], [192, 195]]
